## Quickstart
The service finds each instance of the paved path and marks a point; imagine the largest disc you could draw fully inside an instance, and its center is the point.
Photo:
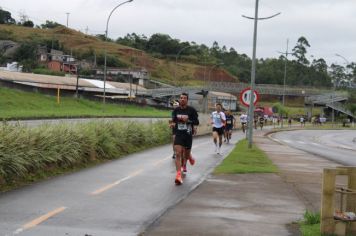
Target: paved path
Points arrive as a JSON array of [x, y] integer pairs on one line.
[[251, 204]]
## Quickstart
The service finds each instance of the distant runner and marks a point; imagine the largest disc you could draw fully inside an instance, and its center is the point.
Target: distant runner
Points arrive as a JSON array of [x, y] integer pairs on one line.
[[218, 120], [230, 123], [243, 120], [185, 119]]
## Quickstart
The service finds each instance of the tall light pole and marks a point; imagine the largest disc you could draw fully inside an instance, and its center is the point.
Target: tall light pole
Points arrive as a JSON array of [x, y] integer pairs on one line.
[[334, 88], [214, 66], [175, 68], [284, 76], [205, 93], [338, 55], [253, 70], [106, 36], [67, 18]]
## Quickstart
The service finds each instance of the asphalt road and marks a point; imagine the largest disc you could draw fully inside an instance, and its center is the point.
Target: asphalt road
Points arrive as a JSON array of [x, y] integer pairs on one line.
[[335, 145], [121, 197]]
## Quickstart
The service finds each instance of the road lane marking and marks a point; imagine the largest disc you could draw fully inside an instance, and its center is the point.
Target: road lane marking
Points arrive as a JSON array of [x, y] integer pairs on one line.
[[109, 186], [160, 162], [287, 141], [301, 142], [40, 220]]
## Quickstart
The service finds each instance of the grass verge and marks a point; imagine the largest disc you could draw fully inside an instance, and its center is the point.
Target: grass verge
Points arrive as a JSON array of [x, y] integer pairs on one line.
[[310, 226], [15, 104], [244, 160]]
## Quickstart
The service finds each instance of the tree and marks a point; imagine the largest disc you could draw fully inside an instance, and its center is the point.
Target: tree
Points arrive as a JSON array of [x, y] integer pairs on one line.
[[50, 25], [26, 54], [28, 23], [5, 17], [337, 74], [163, 43], [300, 50]]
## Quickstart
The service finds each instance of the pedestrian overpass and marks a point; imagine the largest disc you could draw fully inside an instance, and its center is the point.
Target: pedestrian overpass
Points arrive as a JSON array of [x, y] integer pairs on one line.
[[312, 96]]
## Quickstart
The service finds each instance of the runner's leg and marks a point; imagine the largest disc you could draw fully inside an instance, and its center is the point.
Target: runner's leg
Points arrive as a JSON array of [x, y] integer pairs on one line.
[[215, 138], [179, 154]]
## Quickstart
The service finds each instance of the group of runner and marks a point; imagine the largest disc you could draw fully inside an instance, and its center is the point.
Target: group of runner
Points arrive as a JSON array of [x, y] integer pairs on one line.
[[223, 123], [184, 124]]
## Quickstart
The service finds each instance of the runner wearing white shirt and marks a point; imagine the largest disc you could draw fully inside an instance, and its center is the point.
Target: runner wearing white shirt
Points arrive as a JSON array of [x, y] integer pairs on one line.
[[218, 120], [243, 120]]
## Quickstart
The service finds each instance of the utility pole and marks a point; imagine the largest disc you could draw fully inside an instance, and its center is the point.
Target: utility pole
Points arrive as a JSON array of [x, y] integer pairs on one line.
[[67, 18], [253, 71], [285, 76]]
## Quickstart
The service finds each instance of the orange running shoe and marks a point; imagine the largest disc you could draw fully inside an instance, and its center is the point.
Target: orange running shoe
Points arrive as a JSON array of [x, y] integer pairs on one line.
[[178, 179], [191, 160]]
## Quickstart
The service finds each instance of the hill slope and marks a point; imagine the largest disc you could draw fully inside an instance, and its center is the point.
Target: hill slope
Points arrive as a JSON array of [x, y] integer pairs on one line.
[[80, 44]]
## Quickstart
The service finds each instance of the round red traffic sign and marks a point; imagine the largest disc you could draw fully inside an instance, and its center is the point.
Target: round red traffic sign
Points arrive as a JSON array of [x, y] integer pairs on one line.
[[245, 97]]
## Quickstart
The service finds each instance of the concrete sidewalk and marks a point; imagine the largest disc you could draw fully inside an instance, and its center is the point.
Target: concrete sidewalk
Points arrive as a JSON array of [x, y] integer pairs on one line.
[[251, 204]]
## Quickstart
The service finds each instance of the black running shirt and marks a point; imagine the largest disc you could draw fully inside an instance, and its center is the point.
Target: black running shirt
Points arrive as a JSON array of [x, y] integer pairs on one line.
[[185, 127]]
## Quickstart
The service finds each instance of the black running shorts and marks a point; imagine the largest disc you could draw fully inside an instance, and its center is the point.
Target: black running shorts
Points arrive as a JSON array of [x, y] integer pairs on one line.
[[228, 127], [220, 131], [185, 140]]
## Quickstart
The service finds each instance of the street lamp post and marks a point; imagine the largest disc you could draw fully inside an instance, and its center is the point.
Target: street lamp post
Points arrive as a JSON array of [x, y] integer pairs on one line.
[[205, 93], [67, 17], [253, 70], [284, 76], [105, 54], [175, 68], [214, 66], [334, 88]]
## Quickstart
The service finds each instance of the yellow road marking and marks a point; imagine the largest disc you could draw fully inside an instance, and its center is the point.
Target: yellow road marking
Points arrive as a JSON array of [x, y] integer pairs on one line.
[[109, 186], [159, 162], [43, 218]]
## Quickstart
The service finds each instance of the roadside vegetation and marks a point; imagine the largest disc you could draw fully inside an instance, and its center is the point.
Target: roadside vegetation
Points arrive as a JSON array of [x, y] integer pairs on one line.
[[30, 154], [244, 160], [310, 226], [15, 104]]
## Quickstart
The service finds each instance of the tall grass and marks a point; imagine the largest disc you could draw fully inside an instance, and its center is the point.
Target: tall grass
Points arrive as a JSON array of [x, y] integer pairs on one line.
[[310, 226], [27, 151]]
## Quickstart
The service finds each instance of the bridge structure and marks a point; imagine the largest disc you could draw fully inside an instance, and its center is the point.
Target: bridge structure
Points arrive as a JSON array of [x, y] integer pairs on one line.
[[236, 88], [330, 100], [312, 96]]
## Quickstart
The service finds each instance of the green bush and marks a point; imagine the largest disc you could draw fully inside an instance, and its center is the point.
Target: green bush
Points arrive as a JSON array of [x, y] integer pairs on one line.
[[311, 218], [28, 151], [44, 71], [310, 226]]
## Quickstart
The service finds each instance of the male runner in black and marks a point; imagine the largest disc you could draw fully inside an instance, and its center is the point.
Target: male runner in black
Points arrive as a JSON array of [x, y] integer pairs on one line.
[[185, 119]]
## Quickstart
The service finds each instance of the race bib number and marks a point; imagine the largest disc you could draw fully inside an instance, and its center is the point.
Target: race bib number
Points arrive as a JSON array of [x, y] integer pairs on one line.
[[182, 126], [228, 122]]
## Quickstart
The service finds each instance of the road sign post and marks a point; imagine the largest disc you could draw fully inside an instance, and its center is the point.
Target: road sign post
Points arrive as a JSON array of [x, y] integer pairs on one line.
[[245, 97]]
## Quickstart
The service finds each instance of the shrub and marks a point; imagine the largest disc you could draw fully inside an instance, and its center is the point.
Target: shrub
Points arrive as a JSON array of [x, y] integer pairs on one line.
[[26, 151]]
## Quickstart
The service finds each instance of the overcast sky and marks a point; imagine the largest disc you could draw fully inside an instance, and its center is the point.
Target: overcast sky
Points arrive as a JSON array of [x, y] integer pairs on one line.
[[328, 25]]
